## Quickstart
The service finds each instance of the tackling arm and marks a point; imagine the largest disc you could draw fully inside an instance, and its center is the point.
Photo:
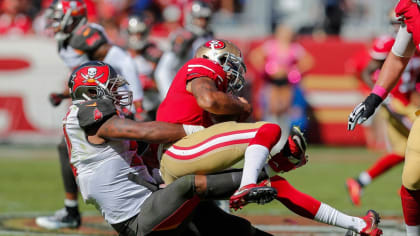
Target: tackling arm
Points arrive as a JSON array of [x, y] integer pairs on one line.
[[151, 132], [217, 102]]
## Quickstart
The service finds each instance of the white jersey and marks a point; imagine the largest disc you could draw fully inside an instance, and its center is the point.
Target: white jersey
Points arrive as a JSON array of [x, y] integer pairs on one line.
[[71, 57], [170, 63], [102, 172], [151, 98], [119, 59]]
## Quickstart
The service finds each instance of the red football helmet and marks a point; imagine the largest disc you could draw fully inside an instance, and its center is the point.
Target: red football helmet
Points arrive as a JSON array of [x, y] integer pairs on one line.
[[229, 56], [97, 80], [64, 16]]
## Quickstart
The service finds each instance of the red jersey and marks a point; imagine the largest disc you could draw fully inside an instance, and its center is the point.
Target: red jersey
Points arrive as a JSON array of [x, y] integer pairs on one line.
[[179, 105], [411, 16]]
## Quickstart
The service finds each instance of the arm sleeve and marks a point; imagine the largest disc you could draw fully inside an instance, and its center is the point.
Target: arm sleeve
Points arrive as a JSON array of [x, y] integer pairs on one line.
[[122, 62], [165, 72], [403, 46]]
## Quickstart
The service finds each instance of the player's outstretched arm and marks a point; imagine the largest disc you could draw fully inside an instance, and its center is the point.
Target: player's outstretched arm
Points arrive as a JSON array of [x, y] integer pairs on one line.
[[388, 78], [151, 132], [217, 102]]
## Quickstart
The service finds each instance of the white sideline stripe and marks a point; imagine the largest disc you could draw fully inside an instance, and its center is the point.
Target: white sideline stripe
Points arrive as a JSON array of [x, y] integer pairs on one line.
[[333, 99], [218, 140]]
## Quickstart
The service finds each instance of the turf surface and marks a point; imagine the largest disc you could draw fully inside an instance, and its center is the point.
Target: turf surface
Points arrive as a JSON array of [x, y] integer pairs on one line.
[[30, 181]]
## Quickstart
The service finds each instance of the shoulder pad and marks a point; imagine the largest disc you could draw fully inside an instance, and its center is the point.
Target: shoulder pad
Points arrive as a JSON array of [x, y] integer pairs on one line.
[[87, 39], [95, 112]]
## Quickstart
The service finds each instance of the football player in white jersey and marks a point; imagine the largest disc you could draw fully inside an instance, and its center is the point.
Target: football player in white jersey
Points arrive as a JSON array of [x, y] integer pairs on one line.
[[184, 43], [146, 54], [112, 176], [79, 42]]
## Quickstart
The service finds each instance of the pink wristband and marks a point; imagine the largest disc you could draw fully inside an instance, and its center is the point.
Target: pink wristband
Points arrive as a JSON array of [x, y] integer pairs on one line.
[[380, 91]]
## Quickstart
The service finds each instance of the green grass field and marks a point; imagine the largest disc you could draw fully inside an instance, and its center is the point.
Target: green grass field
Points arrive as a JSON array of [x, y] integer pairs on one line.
[[30, 182]]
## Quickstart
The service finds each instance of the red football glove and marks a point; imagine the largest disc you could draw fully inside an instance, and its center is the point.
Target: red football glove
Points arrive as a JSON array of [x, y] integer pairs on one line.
[[56, 99]]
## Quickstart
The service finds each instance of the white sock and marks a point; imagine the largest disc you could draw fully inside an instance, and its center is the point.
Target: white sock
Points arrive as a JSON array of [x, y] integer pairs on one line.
[[413, 230], [365, 178], [70, 203], [255, 158], [332, 216]]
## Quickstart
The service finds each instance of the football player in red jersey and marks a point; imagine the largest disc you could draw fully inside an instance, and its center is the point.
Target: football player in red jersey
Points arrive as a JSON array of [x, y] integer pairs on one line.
[[407, 39], [79, 42], [112, 176], [398, 115], [198, 92]]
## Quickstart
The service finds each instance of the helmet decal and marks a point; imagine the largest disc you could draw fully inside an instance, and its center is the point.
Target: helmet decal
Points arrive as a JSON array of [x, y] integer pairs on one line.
[[216, 44], [94, 74]]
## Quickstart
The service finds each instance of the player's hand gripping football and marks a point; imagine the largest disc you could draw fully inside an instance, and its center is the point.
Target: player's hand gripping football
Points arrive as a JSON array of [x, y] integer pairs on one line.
[[364, 110]]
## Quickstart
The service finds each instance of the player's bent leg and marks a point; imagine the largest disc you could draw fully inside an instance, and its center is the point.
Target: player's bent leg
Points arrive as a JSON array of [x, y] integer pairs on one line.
[[210, 150], [164, 210], [256, 155], [160, 212]]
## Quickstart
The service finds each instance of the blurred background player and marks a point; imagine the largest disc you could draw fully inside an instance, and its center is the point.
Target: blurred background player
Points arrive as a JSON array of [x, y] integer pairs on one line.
[[184, 42], [78, 42], [397, 113], [282, 62], [146, 55]]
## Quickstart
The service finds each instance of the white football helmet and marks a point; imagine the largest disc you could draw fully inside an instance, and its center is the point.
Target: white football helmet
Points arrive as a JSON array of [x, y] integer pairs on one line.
[[197, 18], [229, 56], [138, 31]]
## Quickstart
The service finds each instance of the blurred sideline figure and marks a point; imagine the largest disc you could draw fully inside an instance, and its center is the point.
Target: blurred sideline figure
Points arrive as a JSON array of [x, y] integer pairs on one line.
[[146, 55], [79, 42], [398, 113], [14, 17], [184, 42], [408, 38], [112, 176], [206, 88], [282, 62]]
